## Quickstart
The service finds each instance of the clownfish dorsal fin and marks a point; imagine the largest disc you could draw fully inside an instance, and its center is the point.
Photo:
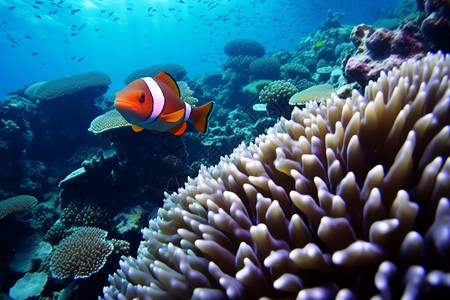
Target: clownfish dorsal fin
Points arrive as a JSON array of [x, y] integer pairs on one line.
[[169, 81], [173, 117], [136, 128], [179, 129]]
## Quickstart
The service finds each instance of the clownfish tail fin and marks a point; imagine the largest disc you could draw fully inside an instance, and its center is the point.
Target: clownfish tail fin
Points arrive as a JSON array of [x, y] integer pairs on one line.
[[200, 116]]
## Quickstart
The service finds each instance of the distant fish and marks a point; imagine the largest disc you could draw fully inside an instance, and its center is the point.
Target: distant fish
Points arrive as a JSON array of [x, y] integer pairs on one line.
[[80, 59], [11, 7], [37, 7], [73, 57], [102, 11], [38, 16], [129, 8], [73, 34], [82, 26], [74, 11], [34, 53], [96, 29], [28, 37], [14, 42], [101, 37], [39, 2], [149, 9], [42, 64], [110, 14], [66, 42], [4, 22], [115, 19], [155, 104]]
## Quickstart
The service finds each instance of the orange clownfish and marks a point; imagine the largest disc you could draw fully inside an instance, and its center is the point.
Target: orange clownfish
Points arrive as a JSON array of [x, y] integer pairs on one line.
[[155, 104]]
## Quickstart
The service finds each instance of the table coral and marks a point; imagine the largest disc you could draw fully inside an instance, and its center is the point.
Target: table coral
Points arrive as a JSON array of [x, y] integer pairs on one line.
[[347, 199]]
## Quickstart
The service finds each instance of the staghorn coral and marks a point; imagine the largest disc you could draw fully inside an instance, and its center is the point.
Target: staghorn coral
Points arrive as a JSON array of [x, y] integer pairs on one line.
[[82, 253], [348, 199], [15, 204], [314, 93]]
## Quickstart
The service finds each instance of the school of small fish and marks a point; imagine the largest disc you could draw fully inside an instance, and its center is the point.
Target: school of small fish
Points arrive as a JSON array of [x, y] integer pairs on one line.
[[211, 17]]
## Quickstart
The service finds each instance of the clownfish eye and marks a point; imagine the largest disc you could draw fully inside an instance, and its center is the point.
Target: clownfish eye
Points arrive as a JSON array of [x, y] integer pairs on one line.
[[142, 98]]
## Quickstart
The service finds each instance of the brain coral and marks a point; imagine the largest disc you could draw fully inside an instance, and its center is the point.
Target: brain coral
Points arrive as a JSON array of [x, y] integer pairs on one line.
[[348, 199], [82, 253], [15, 204], [244, 47], [178, 72], [91, 82]]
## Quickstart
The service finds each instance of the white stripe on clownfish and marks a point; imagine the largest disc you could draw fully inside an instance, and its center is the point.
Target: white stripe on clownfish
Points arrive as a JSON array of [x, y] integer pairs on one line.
[[187, 111], [158, 99]]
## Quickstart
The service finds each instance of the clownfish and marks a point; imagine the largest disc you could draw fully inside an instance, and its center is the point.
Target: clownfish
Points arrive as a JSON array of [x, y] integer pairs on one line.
[[155, 104]]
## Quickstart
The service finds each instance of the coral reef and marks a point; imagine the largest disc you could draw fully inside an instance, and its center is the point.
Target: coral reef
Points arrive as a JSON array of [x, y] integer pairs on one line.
[[15, 204], [82, 253], [380, 50], [244, 47], [178, 72], [436, 26], [347, 199]]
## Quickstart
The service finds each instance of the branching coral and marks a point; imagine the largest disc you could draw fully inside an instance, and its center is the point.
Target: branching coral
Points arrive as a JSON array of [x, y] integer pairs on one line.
[[82, 253], [348, 199]]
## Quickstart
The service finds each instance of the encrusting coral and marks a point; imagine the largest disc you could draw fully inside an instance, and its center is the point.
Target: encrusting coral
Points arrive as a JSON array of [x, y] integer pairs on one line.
[[348, 199]]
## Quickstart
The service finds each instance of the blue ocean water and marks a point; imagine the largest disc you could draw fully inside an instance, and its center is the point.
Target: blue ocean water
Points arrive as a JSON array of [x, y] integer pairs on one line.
[[48, 39]]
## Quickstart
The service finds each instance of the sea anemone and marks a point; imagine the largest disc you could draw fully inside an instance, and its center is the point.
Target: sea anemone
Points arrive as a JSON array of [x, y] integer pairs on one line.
[[348, 199]]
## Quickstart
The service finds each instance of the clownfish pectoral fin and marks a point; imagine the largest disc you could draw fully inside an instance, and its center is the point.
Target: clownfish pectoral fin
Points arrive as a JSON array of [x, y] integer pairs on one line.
[[169, 81], [136, 128], [179, 129], [173, 117], [200, 115]]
